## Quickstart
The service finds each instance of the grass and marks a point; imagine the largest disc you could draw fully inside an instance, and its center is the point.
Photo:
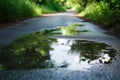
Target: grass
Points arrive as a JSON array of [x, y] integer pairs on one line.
[[21, 9], [18, 9], [46, 10], [101, 13], [98, 12]]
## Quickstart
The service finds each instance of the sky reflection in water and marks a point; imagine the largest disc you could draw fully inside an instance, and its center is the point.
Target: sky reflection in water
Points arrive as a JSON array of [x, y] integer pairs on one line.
[[38, 51]]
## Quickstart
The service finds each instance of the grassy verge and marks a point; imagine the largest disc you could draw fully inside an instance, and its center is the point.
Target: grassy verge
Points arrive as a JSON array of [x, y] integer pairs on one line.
[[46, 10], [17, 9], [100, 12], [21, 9]]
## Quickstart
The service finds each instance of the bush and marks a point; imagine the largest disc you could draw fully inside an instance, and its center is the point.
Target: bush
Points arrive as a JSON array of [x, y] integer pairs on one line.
[[20, 9], [55, 6], [79, 9], [102, 13], [17, 9], [46, 10], [98, 12]]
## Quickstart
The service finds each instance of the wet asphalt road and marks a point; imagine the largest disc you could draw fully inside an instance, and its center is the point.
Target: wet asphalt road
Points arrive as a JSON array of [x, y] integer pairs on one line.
[[37, 24], [98, 72]]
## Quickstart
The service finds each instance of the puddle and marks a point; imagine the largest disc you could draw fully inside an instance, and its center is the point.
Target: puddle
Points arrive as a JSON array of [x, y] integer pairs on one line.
[[73, 29], [38, 51]]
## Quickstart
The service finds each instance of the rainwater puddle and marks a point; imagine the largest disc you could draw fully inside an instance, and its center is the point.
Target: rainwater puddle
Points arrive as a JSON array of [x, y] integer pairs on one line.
[[38, 51]]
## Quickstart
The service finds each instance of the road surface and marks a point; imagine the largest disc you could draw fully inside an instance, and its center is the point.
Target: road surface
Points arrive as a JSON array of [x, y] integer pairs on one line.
[[98, 72]]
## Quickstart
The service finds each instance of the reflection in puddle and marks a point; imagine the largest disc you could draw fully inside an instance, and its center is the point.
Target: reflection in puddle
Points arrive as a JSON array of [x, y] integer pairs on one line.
[[77, 54], [38, 51]]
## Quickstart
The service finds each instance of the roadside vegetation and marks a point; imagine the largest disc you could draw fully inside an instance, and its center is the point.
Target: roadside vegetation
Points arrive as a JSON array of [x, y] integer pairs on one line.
[[11, 10], [106, 12]]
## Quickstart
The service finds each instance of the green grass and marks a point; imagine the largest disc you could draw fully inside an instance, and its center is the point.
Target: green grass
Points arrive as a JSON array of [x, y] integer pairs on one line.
[[98, 12], [101, 13], [21, 9], [46, 10], [18, 9]]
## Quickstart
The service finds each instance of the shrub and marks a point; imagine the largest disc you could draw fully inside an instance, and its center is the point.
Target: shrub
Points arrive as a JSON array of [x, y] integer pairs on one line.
[[20, 9], [102, 13], [55, 5], [17, 9], [98, 12], [46, 10]]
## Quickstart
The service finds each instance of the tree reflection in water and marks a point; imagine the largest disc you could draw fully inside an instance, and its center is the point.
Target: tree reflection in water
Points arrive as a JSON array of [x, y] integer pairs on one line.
[[90, 51], [33, 51]]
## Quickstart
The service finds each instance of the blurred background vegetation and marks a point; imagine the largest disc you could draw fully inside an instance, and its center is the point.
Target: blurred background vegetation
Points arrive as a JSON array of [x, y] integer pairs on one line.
[[106, 12]]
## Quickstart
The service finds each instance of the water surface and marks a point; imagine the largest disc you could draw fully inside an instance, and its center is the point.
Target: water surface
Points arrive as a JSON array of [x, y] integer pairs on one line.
[[37, 50]]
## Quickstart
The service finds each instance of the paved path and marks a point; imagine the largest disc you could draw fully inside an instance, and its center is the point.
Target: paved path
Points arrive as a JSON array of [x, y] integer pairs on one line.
[[99, 72], [37, 24]]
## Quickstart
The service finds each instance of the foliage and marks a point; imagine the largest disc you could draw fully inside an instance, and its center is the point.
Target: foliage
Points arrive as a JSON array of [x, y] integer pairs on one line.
[[46, 10], [53, 4], [97, 12], [73, 4], [104, 11], [17, 9], [20, 9]]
